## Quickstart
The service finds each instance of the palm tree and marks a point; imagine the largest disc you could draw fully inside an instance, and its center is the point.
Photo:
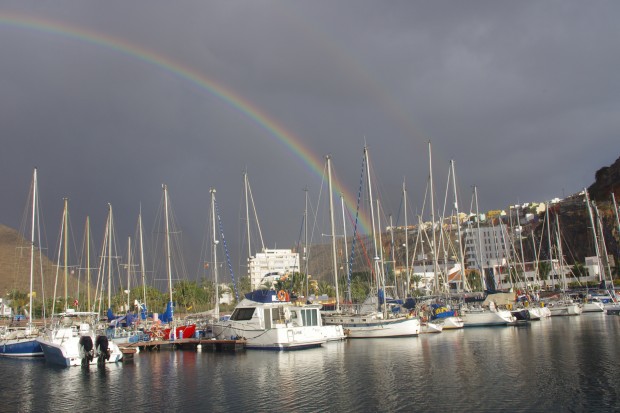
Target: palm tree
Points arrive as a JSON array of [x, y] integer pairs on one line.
[[323, 287], [473, 278], [544, 268], [416, 278], [579, 270]]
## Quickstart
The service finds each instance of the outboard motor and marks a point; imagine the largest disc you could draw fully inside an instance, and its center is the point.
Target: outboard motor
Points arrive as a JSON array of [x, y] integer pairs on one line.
[[86, 350], [103, 351]]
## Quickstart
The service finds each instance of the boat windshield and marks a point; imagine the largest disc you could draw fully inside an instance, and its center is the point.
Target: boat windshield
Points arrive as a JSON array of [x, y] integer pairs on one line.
[[242, 314]]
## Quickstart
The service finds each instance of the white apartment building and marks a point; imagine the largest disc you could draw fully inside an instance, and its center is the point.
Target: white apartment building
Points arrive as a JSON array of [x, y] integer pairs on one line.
[[490, 250], [271, 264]]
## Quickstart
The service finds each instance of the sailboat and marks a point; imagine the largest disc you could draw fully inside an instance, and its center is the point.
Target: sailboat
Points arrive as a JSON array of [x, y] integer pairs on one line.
[[173, 328], [373, 319], [613, 306], [598, 301], [21, 342], [74, 338], [565, 305], [437, 310], [267, 319], [487, 314]]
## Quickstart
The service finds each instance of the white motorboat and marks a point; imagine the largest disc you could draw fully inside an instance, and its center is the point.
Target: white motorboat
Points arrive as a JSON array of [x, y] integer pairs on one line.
[[268, 320], [72, 341]]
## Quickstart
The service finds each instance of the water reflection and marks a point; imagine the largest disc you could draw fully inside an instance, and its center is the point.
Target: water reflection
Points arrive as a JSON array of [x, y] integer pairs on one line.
[[565, 363]]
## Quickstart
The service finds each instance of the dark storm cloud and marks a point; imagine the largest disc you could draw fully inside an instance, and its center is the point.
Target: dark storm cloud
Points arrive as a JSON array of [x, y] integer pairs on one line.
[[523, 95]]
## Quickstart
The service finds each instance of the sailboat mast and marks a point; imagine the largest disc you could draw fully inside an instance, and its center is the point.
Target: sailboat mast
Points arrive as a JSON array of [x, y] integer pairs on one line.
[[306, 241], [346, 252], [128, 269], [66, 254], [613, 199], [88, 262], [110, 230], [214, 242], [406, 241], [434, 246], [603, 247], [392, 256], [596, 245], [548, 217], [381, 261], [560, 253], [168, 253], [482, 277], [372, 218], [458, 227], [142, 267], [521, 240], [32, 239], [536, 274], [333, 229], [247, 213]]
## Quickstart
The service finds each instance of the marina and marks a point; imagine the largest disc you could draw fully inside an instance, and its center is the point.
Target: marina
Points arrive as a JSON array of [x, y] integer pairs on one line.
[[557, 364], [362, 208]]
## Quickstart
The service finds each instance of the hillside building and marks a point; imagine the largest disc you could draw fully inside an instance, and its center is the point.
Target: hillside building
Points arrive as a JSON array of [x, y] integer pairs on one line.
[[271, 264]]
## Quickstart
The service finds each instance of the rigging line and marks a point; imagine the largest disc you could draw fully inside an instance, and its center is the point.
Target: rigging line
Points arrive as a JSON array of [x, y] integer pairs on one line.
[[301, 231], [315, 213], [362, 245], [420, 222], [400, 207], [357, 211], [260, 233], [230, 269]]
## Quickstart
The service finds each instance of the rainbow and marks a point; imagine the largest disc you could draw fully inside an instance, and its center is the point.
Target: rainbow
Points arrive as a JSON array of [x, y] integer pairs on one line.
[[293, 143]]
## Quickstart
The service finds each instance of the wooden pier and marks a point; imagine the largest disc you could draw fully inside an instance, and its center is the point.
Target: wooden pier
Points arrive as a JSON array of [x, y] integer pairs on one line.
[[184, 344]]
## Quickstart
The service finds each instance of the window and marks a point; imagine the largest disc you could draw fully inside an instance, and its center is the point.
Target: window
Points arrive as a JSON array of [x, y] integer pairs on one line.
[[242, 314], [309, 317]]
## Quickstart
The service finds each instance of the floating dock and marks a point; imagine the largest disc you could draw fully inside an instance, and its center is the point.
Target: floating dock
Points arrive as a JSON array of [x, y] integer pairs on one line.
[[184, 344]]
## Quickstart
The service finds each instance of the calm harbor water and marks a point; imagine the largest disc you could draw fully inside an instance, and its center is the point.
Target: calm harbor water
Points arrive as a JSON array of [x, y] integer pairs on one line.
[[559, 364]]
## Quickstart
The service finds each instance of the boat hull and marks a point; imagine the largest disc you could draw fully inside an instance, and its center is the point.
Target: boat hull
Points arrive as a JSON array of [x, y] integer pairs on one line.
[[565, 309], [453, 323], [431, 327], [28, 347], [277, 338], [368, 326], [521, 315], [593, 307], [67, 353], [487, 318]]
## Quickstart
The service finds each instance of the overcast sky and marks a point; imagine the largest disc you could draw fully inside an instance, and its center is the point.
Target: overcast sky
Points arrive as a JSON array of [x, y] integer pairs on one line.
[[524, 96]]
